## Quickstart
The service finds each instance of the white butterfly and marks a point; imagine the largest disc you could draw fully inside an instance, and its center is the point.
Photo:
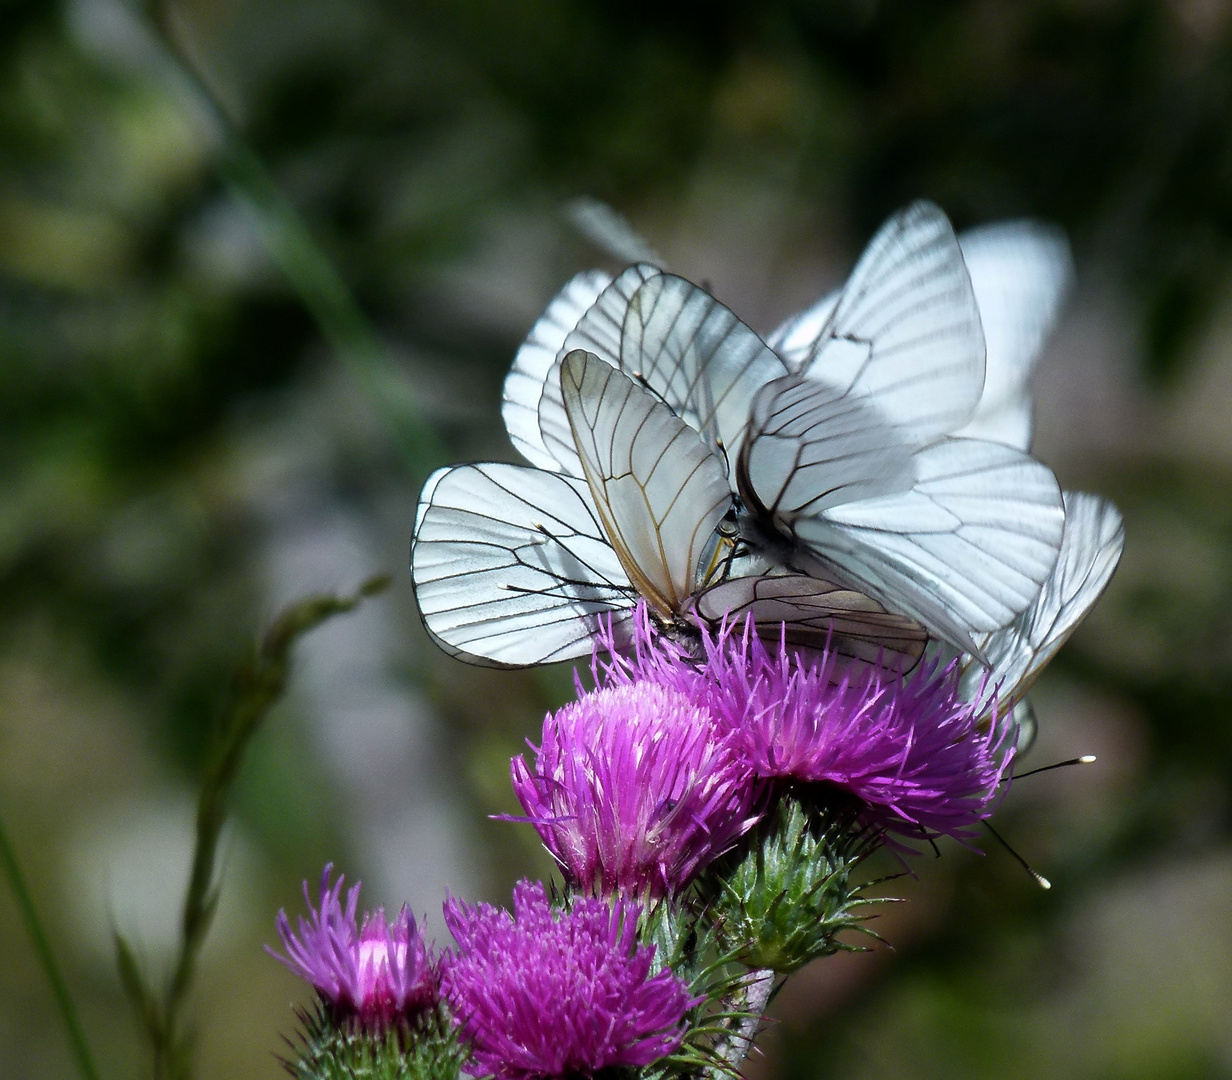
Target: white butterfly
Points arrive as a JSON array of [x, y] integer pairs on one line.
[[875, 497], [1020, 272]]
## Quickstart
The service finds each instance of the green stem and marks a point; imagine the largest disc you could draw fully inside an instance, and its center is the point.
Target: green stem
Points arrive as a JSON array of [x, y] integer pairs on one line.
[[260, 683], [260, 680], [752, 1000], [42, 945]]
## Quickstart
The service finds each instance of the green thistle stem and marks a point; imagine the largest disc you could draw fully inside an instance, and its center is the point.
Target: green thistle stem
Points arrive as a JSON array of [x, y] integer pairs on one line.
[[260, 681], [753, 998], [47, 958]]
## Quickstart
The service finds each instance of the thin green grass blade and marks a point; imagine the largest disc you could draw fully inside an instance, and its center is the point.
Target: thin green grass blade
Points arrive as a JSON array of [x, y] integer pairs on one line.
[[47, 958]]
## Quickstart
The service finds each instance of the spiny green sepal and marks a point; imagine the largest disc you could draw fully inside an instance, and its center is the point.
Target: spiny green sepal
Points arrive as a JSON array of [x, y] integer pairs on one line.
[[787, 894], [421, 1048]]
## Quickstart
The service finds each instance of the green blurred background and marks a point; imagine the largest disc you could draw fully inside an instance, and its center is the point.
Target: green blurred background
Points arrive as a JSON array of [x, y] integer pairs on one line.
[[196, 426]]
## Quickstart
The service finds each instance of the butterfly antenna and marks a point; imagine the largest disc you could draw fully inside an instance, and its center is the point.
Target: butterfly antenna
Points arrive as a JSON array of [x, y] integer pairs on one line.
[[1036, 876], [1086, 759]]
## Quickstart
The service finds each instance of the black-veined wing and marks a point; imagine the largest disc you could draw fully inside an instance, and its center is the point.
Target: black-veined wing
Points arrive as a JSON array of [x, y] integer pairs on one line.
[[1021, 272], [659, 491], [598, 332], [963, 552], [698, 357], [816, 614], [511, 566], [793, 340], [811, 447], [1090, 550], [905, 330], [526, 379], [681, 343]]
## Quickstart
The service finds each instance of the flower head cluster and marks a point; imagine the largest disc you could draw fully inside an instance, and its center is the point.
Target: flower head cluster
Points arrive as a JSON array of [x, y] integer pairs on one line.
[[909, 748], [376, 973], [555, 994], [635, 788]]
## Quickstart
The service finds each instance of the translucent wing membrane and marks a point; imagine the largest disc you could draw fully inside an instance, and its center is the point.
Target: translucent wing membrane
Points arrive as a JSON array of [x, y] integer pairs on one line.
[[681, 343], [600, 329], [794, 339], [817, 614], [906, 330], [811, 448], [660, 493], [964, 552], [526, 379], [610, 231], [1090, 549], [598, 332], [1020, 271], [511, 566], [698, 357]]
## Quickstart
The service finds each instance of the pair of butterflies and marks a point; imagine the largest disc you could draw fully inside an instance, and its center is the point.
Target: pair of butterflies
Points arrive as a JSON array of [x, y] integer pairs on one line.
[[859, 479]]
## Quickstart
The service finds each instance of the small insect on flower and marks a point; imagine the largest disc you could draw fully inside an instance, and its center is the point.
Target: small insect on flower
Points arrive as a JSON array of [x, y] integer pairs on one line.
[[376, 973], [543, 994]]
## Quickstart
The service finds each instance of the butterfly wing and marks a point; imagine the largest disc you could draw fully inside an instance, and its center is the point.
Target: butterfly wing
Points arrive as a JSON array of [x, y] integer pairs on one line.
[[962, 532], [694, 354], [1021, 272], [1090, 550], [963, 552], [816, 614], [610, 231], [905, 332], [526, 379], [598, 332], [811, 447], [678, 341], [660, 493], [511, 566], [794, 339]]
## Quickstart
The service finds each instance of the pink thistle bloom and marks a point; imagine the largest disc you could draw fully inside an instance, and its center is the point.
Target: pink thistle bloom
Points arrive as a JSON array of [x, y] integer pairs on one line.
[[541, 994], [635, 788], [909, 748], [377, 973]]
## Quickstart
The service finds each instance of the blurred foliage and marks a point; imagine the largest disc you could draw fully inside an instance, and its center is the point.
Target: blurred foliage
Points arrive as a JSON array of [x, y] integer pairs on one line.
[[173, 405]]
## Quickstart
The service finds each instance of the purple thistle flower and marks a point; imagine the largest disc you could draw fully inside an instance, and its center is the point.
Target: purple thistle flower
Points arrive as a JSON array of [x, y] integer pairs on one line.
[[551, 994], [635, 788], [908, 747], [376, 973]]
